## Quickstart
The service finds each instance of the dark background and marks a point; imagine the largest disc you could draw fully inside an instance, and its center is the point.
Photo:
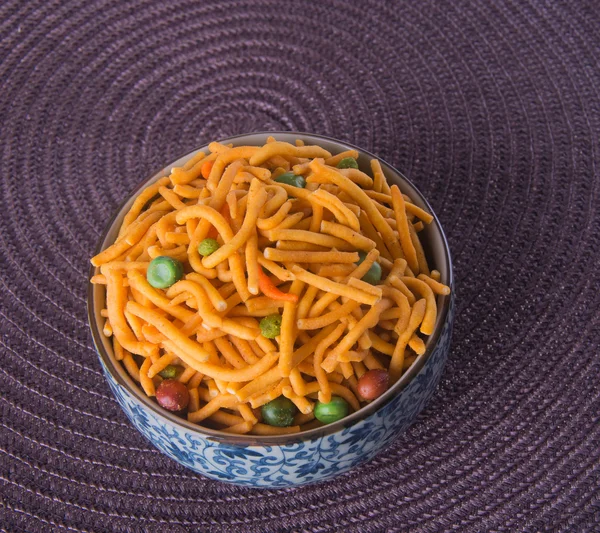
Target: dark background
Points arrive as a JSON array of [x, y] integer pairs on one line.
[[491, 108]]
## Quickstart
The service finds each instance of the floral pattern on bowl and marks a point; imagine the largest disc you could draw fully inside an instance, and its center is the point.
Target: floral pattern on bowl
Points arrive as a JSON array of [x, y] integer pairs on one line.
[[299, 463]]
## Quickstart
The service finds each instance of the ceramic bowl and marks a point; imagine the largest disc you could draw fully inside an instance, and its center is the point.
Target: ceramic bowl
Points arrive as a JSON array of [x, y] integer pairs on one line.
[[309, 456]]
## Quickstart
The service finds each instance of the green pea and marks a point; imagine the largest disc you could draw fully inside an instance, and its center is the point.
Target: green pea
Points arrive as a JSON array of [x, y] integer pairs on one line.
[[207, 247], [279, 412], [170, 371], [291, 179], [270, 326], [373, 275], [333, 411], [348, 162], [163, 271]]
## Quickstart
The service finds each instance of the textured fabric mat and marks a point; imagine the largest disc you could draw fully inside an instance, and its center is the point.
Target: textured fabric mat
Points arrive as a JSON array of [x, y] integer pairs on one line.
[[491, 108]]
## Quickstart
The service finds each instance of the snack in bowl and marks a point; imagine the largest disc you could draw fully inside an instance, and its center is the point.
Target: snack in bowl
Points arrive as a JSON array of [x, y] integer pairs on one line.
[[264, 300]]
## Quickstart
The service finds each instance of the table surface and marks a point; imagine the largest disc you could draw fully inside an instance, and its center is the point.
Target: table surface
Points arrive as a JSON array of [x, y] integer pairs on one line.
[[491, 108]]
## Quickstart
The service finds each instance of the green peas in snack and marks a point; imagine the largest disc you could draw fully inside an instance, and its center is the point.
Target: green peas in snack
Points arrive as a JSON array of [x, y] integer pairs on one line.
[[170, 371], [164, 271], [373, 275], [279, 412], [207, 247], [290, 178], [333, 411], [348, 162], [270, 326]]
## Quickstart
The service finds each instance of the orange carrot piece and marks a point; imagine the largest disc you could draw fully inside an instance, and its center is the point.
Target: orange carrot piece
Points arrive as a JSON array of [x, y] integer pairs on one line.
[[270, 290], [206, 168]]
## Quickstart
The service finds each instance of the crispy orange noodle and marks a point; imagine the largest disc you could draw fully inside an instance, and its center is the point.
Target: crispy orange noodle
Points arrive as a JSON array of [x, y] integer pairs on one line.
[[307, 242]]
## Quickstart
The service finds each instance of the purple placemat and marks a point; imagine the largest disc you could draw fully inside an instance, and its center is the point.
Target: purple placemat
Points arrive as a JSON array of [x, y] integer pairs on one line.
[[491, 108]]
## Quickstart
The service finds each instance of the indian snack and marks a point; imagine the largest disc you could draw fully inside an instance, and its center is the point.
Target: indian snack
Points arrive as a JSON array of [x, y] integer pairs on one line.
[[269, 289]]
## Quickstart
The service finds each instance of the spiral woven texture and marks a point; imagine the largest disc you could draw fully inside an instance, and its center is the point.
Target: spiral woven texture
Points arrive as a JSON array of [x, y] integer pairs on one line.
[[490, 108]]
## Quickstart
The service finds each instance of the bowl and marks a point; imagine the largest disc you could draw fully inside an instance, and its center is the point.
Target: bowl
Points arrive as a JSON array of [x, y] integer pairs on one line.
[[305, 457]]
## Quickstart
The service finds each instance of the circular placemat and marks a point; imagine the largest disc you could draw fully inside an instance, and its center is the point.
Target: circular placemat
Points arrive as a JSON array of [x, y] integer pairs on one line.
[[491, 108]]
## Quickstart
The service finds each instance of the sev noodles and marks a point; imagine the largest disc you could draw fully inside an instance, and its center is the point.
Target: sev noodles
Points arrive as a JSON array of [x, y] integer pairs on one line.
[[303, 243]]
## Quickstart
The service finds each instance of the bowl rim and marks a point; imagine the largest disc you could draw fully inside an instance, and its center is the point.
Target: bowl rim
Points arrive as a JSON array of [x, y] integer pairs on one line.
[[124, 380]]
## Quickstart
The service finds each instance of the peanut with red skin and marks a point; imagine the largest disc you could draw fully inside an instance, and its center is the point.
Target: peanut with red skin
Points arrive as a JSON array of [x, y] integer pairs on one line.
[[172, 395], [373, 383]]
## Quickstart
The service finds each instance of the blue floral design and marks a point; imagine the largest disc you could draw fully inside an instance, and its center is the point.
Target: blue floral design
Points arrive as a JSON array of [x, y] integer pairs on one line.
[[298, 463]]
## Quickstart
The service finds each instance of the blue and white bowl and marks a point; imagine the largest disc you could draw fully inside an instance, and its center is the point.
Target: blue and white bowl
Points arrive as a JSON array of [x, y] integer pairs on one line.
[[309, 456]]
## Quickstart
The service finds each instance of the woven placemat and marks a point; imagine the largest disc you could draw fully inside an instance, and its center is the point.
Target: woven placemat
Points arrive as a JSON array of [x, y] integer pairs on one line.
[[491, 108]]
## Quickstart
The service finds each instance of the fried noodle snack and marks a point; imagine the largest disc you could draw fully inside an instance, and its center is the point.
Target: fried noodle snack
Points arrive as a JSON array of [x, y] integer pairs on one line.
[[295, 278]]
